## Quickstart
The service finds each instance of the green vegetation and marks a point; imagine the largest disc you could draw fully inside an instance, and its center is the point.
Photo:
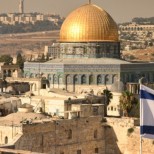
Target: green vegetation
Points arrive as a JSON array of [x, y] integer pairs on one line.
[[23, 28], [127, 101], [20, 61], [108, 96], [7, 59], [129, 131]]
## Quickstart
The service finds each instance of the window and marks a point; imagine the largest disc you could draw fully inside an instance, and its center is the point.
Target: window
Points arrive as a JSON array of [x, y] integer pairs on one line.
[[96, 150], [69, 134], [99, 79], [78, 151], [95, 133], [83, 79], [6, 140]]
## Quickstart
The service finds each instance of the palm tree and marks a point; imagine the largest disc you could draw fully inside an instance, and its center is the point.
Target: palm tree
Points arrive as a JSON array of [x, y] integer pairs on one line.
[[108, 96], [126, 102]]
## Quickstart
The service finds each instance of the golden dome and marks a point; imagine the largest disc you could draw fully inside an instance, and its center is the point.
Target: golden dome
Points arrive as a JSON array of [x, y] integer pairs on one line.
[[89, 23]]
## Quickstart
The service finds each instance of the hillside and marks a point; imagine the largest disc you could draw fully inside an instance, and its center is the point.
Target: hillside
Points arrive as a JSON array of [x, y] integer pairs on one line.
[[33, 42], [139, 55]]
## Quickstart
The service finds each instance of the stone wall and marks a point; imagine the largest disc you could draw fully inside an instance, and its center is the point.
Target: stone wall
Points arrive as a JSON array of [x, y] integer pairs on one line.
[[8, 133], [64, 136], [118, 138]]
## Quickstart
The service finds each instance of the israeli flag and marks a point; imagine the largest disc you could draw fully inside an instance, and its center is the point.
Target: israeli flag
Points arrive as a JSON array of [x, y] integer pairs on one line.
[[146, 112]]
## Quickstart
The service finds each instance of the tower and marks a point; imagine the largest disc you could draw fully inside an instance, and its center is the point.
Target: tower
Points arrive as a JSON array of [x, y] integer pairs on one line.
[[21, 6]]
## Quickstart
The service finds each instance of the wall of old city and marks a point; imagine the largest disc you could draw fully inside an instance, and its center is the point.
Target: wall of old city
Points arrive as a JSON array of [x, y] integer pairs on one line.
[[125, 142], [64, 136]]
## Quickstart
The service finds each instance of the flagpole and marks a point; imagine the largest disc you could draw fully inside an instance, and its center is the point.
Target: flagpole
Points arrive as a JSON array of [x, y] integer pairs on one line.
[[140, 82], [140, 144]]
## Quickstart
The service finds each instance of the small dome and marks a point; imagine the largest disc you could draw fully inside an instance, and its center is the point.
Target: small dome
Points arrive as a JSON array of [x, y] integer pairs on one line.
[[11, 89], [89, 23]]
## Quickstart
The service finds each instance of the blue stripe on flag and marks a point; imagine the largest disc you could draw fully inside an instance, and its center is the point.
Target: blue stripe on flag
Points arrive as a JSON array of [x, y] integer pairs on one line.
[[146, 95], [146, 130]]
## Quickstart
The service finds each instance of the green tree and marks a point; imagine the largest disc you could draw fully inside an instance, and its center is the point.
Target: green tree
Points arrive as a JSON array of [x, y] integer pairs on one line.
[[43, 57], [47, 57], [108, 96], [7, 59], [20, 61], [127, 100]]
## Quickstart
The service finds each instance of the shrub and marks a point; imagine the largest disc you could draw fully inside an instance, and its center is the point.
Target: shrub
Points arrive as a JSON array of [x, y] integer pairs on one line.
[[130, 130]]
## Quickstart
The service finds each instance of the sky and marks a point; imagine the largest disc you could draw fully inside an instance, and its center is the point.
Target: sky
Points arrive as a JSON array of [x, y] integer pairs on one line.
[[120, 10]]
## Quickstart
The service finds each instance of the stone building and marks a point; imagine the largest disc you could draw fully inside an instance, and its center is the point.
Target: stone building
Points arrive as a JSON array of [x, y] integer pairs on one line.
[[133, 27], [89, 50], [9, 105], [35, 132], [10, 71], [52, 51]]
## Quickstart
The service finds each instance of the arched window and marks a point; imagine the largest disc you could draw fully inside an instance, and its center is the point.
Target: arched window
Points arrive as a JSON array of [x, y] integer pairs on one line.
[[6, 140], [75, 79], [106, 79], [60, 79], [91, 79], [55, 79], [49, 77], [68, 79], [83, 79], [99, 79], [114, 78]]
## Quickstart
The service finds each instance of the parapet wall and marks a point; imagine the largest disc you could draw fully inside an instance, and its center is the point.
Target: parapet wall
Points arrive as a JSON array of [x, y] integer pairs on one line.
[[64, 136]]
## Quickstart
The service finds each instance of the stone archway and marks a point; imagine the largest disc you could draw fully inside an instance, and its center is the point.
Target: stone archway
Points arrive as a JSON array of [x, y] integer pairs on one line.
[[91, 79], [114, 78], [54, 80], [60, 80], [68, 82], [75, 82], [99, 79], [83, 79], [107, 80]]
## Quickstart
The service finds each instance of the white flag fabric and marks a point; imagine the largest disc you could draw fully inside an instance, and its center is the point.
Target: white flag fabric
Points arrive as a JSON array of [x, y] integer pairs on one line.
[[146, 112]]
